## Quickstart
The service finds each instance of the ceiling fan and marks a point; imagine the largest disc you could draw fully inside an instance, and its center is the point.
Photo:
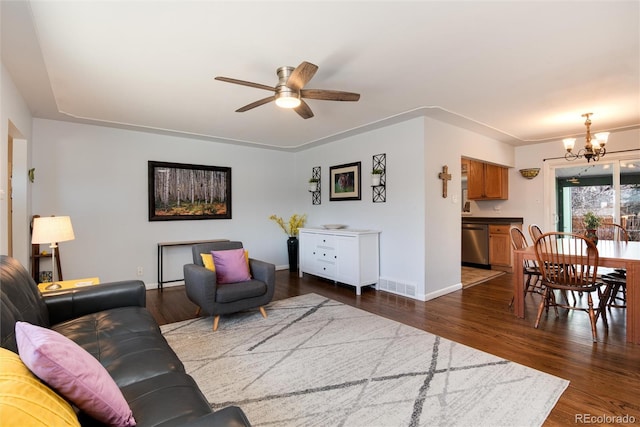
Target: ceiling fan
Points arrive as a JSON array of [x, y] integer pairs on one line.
[[289, 90]]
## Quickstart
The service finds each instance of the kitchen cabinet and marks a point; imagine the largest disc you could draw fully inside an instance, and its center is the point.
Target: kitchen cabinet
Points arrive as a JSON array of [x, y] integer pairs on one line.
[[345, 256], [486, 181], [500, 250]]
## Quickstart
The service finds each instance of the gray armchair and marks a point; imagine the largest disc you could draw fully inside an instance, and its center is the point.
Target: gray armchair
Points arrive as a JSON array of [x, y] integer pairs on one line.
[[214, 299]]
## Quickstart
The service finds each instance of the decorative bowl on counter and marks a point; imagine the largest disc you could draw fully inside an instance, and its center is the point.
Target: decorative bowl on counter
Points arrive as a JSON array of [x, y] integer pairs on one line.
[[529, 173], [334, 226]]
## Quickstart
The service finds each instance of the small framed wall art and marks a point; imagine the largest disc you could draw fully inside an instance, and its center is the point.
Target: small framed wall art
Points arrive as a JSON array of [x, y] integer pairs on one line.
[[345, 182]]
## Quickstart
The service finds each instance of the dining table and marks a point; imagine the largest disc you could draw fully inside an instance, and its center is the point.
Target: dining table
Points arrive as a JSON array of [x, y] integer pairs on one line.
[[612, 254]]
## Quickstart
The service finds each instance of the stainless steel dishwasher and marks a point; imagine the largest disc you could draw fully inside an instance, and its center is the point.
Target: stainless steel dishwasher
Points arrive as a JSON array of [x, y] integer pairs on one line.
[[475, 244]]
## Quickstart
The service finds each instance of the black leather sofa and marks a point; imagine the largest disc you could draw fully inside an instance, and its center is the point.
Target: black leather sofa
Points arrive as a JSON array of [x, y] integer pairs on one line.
[[111, 322]]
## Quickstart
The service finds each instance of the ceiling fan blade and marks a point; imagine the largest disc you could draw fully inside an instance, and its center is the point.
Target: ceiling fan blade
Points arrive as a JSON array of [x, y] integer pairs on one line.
[[301, 75], [256, 104], [329, 95], [304, 110], [244, 83]]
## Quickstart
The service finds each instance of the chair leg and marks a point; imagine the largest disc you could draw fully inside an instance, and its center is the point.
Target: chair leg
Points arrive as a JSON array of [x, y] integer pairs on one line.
[[263, 312], [216, 319], [543, 303], [613, 298], [614, 293], [551, 300], [602, 306], [527, 284], [592, 318], [197, 311]]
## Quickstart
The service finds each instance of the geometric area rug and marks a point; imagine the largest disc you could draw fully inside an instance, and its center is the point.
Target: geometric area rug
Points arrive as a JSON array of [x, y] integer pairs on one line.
[[317, 362]]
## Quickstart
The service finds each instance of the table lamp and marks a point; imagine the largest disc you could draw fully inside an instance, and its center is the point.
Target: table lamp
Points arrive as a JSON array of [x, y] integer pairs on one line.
[[52, 229]]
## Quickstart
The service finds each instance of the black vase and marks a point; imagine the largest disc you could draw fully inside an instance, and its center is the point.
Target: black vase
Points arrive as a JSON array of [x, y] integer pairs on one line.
[[292, 248]]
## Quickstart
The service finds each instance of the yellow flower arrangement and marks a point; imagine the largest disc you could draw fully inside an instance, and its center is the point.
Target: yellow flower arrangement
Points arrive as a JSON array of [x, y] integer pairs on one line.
[[296, 221]]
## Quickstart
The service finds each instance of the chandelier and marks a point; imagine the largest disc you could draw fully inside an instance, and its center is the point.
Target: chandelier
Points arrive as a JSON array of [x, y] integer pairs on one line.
[[593, 148]]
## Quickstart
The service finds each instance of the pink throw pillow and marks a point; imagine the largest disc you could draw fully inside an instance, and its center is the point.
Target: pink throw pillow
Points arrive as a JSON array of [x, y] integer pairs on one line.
[[74, 373], [231, 266]]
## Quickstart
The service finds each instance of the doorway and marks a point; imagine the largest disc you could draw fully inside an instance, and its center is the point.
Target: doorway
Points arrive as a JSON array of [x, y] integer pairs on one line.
[[16, 226], [610, 189]]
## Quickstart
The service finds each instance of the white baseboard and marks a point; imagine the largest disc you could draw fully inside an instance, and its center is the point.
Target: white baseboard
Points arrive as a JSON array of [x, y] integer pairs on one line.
[[441, 292]]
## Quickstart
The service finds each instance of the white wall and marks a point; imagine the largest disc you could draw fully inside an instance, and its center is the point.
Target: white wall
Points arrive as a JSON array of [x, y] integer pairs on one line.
[[400, 218], [98, 176], [15, 121], [420, 240], [445, 145]]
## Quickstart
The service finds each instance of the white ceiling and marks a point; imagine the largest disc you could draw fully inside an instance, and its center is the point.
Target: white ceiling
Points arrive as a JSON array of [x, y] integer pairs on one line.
[[519, 71]]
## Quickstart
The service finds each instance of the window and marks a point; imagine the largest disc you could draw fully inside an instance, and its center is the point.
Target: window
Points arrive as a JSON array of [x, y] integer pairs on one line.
[[610, 189]]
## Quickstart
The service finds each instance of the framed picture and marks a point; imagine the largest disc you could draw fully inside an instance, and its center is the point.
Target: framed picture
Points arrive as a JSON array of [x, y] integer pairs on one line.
[[344, 182], [182, 191]]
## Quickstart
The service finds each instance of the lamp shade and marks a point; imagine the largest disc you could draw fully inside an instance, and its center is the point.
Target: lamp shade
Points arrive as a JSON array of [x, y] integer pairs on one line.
[[569, 143], [52, 229]]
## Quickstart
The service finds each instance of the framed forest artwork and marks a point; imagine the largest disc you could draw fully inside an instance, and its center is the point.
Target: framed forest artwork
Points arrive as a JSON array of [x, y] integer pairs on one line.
[[184, 192]]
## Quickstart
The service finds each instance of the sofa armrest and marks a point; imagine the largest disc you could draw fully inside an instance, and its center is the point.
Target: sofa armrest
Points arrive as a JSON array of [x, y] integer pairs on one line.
[[69, 304], [231, 416], [263, 271], [200, 285]]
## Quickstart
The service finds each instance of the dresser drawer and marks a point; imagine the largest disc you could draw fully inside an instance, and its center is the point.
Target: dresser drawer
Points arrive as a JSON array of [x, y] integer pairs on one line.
[[326, 268], [328, 242], [323, 253]]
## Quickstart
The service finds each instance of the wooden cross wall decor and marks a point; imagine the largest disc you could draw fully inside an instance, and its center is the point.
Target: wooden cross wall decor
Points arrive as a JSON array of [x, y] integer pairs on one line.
[[444, 176]]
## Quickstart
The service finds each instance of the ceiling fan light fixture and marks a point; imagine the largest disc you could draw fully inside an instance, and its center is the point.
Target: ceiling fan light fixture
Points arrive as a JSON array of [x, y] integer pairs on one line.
[[290, 90], [287, 101], [286, 98]]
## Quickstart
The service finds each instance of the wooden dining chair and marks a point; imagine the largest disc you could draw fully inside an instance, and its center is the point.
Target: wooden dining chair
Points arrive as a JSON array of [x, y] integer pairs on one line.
[[615, 278], [569, 262], [534, 231], [530, 267], [611, 231]]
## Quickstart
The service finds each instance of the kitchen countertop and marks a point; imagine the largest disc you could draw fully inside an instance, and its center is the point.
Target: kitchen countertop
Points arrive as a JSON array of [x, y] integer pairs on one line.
[[491, 220]]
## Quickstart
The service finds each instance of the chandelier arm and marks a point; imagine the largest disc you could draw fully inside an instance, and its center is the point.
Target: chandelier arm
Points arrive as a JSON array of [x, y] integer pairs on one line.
[[570, 156]]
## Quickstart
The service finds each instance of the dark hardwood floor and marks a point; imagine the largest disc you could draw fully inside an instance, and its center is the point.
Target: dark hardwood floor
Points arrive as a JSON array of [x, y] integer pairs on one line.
[[605, 376]]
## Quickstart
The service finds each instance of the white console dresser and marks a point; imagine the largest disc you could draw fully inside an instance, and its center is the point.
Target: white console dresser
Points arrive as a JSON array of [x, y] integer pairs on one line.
[[342, 255]]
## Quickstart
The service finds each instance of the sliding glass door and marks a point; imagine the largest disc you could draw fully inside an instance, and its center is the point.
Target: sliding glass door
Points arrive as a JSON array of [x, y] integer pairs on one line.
[[609, 188]]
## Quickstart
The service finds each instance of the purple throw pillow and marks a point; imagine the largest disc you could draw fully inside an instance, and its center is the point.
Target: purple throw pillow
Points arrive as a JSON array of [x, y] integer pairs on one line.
[[231, 266], [74, 373]]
